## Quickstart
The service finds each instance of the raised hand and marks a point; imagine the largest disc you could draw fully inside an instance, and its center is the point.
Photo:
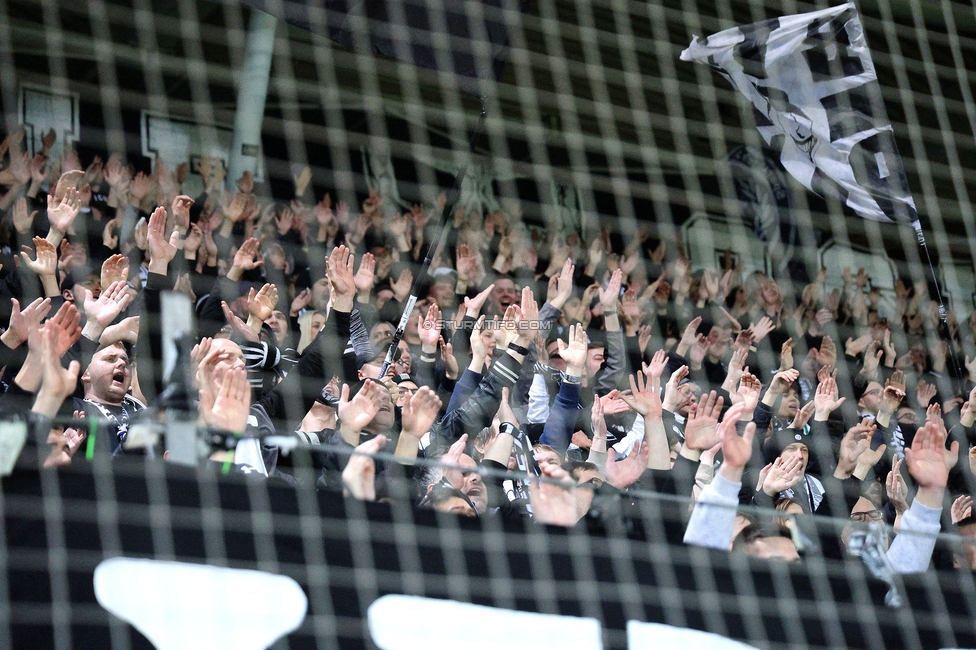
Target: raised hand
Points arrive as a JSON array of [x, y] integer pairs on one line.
[[472, 306], [451, 368], [897, 488], [365, 275], [65, 327], [672, 400], [478, 349], [872, 359], [359, 475], [429, 329], [419, 412], [924, 393], [744, 340], [238, 326], [869, 459], [340, 272], [598, 422], [761, 329], [689, 336], [247, 258], [786, 355], [564, 284], [57, 382], [701, 430], [67, 183], [854, 347], [894, 392], [22, 219], [783, 475], [509, 329], [889, 349], [748, 394], [261, 303], [962, 508], [927, 463], [359, 412], [46, 258], [451, 462], [782, 381], [110, 303], [25, 323], [232, 403], [802, 416], [852, 446], [161, 250], [623, 473], [181, 211], [644, 398], [736, 449], [193, 241], [825, 401], [114, 269], [528, 314], [140, 186], [696, 355], [466, 264], [630, 311], [245, 184], [302, 179], [554, 503], [736, 368], [300, 302], [643, 337], [126, 330], [933, 416], [202, 358], [612, 403], [401, 287], [239, 207], [116, 175], [828, 351], [610, 295], [573, 354]]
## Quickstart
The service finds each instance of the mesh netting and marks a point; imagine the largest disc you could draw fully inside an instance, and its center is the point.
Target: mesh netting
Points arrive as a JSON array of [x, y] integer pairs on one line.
[[578, 123]]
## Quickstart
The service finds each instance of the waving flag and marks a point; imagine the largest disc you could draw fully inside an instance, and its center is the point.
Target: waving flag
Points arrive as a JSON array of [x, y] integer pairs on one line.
[[817, 102]]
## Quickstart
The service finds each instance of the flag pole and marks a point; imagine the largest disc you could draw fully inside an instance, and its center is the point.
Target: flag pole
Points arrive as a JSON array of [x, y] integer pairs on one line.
[[943, 313], [449, 207]]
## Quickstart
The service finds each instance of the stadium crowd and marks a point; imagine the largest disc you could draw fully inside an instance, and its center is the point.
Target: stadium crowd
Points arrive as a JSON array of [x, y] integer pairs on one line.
[[613, 368]]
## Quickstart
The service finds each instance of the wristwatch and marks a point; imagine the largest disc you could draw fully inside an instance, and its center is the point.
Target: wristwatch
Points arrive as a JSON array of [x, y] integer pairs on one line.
[[509, 428], [514, 347]]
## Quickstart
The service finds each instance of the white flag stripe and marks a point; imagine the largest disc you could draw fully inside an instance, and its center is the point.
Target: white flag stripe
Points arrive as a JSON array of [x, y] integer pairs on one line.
[[817, 102]]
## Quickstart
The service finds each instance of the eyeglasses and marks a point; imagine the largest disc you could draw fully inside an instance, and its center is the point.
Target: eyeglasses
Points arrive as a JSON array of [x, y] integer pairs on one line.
[[873, 515]]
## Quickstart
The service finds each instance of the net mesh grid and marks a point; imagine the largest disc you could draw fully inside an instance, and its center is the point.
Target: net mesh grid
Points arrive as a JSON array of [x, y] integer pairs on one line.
[[347, 553], [593, 97]]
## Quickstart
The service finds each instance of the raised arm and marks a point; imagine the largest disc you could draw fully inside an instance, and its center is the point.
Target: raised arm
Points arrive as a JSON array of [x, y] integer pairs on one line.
[[712, 522], [928, 463], [615, 358], [562, 417]]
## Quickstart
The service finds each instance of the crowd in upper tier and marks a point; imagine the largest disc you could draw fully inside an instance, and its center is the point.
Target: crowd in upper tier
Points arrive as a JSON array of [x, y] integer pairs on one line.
[[612, 367]]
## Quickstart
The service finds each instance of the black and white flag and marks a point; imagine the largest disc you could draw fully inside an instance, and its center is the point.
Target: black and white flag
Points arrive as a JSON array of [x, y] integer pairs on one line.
[[817, 102]]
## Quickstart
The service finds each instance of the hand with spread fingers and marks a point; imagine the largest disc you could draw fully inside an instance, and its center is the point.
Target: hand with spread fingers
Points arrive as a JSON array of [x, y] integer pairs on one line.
[[784, 474]]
